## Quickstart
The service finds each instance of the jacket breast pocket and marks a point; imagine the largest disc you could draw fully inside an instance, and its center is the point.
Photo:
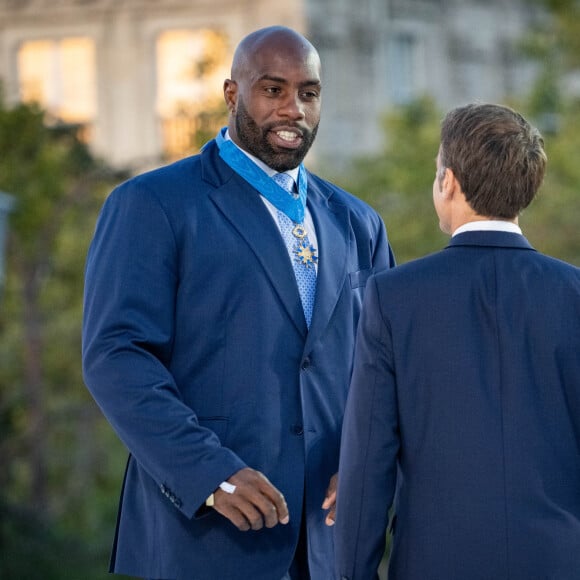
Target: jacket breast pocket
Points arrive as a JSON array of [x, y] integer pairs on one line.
[[359, 279]]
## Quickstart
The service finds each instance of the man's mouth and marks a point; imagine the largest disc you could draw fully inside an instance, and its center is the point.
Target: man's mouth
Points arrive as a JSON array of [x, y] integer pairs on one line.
[[287, 138]]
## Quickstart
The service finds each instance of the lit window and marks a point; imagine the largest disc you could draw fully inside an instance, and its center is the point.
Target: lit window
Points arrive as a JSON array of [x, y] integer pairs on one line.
[[60, 76], [191, 68]]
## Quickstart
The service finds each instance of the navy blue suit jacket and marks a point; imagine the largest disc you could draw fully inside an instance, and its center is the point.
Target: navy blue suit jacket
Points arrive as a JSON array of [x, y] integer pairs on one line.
[[464, 412], [196, 348]]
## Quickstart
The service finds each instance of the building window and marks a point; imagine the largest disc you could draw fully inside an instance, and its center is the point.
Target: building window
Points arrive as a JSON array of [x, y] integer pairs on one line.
[[402, 50], [60, 76], [191, 68]]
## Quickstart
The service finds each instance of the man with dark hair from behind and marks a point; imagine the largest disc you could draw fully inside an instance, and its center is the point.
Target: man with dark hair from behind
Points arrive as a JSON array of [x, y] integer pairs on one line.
[[465, 397]]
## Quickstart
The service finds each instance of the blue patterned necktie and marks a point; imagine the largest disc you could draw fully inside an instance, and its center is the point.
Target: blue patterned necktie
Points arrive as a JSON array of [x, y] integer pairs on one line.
[[302, 253]]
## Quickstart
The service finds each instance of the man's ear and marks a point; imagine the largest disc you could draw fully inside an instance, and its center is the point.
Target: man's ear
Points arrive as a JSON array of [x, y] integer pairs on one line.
[[231, 94], [449, 184]]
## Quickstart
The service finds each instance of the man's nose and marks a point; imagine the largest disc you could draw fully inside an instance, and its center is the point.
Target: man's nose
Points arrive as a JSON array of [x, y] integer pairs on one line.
[[293, 107]]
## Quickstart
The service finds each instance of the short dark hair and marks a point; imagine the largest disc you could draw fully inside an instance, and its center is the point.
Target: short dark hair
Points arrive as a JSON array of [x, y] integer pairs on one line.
[[496, 155]]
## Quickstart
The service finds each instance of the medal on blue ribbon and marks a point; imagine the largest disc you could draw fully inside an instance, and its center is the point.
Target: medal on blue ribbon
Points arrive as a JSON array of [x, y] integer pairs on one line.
[[292, 206]]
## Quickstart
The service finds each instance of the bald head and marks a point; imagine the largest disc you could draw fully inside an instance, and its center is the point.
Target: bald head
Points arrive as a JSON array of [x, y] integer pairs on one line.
[[274, 96], [272, 40]]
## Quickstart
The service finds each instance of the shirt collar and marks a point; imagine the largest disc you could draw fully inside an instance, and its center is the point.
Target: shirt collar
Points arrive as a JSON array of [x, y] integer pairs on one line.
[[293, 173], [488, 225]]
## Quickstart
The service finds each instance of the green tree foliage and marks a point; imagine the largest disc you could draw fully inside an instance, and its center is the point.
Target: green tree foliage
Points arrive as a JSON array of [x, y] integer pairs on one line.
[[557, 38], [552, 221], [58, 481], [398, 180]]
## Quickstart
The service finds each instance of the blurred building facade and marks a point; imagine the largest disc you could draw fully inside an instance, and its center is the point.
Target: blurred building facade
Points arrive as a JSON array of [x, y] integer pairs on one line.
[[140, 77]]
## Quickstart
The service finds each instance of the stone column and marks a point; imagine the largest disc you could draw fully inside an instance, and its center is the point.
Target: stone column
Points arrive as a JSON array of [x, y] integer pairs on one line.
[[126, 128]]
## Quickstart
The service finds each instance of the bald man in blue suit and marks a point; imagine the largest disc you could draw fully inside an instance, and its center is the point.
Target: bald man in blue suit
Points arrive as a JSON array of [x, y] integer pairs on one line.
[[464, 409], [225, 379]]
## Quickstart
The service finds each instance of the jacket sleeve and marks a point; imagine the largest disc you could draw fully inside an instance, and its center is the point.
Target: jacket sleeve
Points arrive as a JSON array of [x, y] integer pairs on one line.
[[128, 326], [369, 448], [383, 256]]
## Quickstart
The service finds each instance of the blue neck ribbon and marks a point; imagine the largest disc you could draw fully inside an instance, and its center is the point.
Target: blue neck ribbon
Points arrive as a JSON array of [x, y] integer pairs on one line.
[[292, 206]]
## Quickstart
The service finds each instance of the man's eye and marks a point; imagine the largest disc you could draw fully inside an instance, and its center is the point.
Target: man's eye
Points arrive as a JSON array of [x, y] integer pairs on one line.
[[310, 95], [272, 90]]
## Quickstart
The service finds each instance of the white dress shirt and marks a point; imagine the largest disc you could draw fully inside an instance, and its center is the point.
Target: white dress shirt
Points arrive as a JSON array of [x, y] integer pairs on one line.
[[489, 225]]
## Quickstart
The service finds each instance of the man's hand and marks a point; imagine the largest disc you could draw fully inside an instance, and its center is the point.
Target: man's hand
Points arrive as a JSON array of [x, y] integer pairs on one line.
[[329, 502], [254, 504]]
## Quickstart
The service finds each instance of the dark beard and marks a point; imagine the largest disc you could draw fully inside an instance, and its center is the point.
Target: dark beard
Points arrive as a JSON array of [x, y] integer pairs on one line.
[[254, 140]]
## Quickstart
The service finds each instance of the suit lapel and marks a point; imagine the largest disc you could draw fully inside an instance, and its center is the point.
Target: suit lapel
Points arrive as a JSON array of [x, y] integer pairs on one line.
[[242, 206], [331, 221]]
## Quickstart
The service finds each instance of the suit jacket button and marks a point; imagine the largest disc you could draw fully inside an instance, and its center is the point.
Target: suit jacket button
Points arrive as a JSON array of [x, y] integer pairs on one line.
[[298, 429], [305, 364]]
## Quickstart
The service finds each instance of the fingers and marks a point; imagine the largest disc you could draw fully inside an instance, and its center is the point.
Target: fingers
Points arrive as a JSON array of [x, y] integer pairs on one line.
[[254, 504], [242, 521], [272, 497], [330, 517], [330, 497], [329, 502]]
